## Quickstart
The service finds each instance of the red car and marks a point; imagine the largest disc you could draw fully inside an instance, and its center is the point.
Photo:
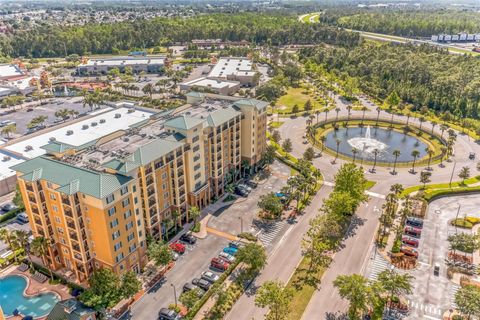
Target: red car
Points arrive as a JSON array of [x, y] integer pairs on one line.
[[411, 231], [177, 247], [408, 251], [410, 241], [219, 264]]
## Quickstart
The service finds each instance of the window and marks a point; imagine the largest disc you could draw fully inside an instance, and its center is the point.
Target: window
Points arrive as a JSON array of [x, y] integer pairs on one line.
[[132, 247], [119, 257], [129, 225], [117, 246], [123, 190], [110, 198], [164, 186], [195, 139], [111, 211], [196, 167], [125, 202], [141, 243], [114, 223], [134, 188], [137, 212], [59, 230], [165, 195], [62, 240], [135, 200], [49, 185], [55, 208], [52, 196], [196, 148], [130, 237], [116, 234], [139, 222], [166, 205], [164, 175], [127, 214], [197, 176]]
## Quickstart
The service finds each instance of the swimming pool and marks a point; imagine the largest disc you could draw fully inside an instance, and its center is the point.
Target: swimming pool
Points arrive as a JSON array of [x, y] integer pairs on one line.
[[12, 297]]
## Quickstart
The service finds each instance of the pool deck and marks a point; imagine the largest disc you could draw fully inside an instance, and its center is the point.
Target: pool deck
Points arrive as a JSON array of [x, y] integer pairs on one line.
[[34, 287]]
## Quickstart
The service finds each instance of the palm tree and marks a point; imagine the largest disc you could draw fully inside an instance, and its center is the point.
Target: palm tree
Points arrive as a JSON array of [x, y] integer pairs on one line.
[[10, 238], [349, 109], [444, 152], [434, 123], [378, 115], [40, 249], [8, 130], [338, 141], [326, 113], [430, 153], [323, 139], [408, 117], [415, 154], [396, 154], [443, 127], [194, 214], [375, 153], [175, 217], [364, 109], [148, 89], [422, 120], [354, 152], [22, 237], [337, 110], [317, 113]]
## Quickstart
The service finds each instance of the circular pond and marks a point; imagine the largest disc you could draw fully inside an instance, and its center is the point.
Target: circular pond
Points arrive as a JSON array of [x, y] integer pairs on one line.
[[368, 139]]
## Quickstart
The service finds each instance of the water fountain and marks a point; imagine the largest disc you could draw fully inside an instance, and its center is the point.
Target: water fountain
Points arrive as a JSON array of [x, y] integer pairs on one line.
[[367, 144]]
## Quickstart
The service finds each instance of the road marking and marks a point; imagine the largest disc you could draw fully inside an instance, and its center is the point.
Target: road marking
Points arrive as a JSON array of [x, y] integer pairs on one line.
[[433, 318], [222, 234], [372, 194]]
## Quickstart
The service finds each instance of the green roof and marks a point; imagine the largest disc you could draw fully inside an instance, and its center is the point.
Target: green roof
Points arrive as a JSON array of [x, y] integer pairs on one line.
[[57, 147], [195, 94], [69, 309], [219, 117], [183, 122], [251, 102], [71, 179], [144, 155]]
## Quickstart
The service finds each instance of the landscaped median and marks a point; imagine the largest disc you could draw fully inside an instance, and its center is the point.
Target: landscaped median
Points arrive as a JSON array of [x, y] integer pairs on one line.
[[433, 191]]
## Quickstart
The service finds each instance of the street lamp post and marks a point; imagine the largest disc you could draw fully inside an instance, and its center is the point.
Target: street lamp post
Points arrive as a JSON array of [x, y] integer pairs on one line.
[[241, 224], [174, 293], [453, 171]]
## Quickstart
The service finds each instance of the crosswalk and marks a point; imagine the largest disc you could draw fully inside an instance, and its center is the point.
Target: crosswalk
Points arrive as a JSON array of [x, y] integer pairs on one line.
[[452, 291], [426, 309], [378, 265], [270, 231]]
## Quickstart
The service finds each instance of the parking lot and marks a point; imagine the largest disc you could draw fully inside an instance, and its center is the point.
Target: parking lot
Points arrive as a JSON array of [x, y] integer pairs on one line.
[[198, 256], [11, 226], [23, 116]]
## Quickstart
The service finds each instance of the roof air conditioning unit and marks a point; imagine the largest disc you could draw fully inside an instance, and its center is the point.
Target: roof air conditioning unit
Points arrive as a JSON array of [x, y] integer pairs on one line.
[[117, 115], [93, 124], [69, 132], [6, 158], [28, 148], [52, 139], [131, 110], [102, 120], [85, 127], [125, 139]]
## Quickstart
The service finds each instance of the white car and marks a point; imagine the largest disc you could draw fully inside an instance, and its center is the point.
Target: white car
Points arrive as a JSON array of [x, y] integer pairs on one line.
[[227, 257], [210, 276]]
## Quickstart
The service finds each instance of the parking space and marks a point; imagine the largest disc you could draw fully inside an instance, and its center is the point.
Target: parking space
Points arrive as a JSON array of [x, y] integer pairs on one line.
[[23, 116]]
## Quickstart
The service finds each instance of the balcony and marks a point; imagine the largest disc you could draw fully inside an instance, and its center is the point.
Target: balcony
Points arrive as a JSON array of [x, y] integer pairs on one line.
[[148, 171], [149, 181], [78, 257], [42, 197], [179, 163], [32, 199], [73, 236], [68, 212], [151, 191], [151, 202], [76, 247], [29, 187], [71, 226]]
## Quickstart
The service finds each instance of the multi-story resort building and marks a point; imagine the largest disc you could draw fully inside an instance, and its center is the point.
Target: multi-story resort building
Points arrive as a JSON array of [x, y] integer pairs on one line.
[[97, 202], [137, 64]]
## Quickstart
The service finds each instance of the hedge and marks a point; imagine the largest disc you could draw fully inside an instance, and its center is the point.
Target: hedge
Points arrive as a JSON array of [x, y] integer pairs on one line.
[[10, 215]]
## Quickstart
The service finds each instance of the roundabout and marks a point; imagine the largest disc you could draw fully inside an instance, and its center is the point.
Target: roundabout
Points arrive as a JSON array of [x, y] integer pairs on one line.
[[379, 142]]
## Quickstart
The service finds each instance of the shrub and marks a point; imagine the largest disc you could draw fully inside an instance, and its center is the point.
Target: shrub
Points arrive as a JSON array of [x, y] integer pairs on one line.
[[196, 227], [396, 246], [247, 235], [462, 223]]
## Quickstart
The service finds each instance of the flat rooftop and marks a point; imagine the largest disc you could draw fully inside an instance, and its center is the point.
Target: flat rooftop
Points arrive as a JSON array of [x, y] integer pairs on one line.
[[231, 66], [211, 83], [6, 161], [10, 70], [123, 61], [82, 132]]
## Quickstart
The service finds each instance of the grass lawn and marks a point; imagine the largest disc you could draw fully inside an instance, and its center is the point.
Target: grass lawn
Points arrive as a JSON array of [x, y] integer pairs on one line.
[[370, 184], [433, 190], [297, 96], [276, 124], [302, 293]]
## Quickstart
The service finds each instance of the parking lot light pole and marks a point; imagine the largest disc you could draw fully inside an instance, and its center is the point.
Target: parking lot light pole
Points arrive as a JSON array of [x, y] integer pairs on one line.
[[241, 224], [174, 293]]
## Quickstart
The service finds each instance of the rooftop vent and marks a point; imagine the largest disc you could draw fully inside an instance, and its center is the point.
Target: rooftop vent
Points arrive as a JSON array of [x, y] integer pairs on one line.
[[117, 115], [28, 148], [131, 110], [125, 139], [93, 124], [6, 158], [102, 120], [69, 132], [52, 139], [85, 126]]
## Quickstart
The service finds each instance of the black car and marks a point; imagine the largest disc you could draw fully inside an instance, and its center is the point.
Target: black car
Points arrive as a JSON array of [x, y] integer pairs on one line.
[[414, 222], [188, 286], [241, 192], [251, 184], [188, 238], [167, 314], [201, 283]]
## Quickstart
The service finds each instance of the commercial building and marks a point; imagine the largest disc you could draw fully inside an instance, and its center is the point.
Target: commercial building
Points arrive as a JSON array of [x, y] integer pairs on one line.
[[96, 202], [137, 64], [223, 87], [235, 69], [11, 72]]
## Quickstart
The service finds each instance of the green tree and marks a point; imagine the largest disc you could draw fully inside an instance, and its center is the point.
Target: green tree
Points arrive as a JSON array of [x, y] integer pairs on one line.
[[287, 145], [22, 238], [425, 177], [130, 284], [313, 247], [254, 256], [194, 213], [104, 290], [350, 179], [8, 130], [396, 154], [308, 105], [271, 204], [415, 154], [467, 300], [160, 253], [10, 239], [276, 136], [269, 155], [354, 288], [309, 154], [295, 109], [39, 120], [276, 297], [190, 298], [394, 283]]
